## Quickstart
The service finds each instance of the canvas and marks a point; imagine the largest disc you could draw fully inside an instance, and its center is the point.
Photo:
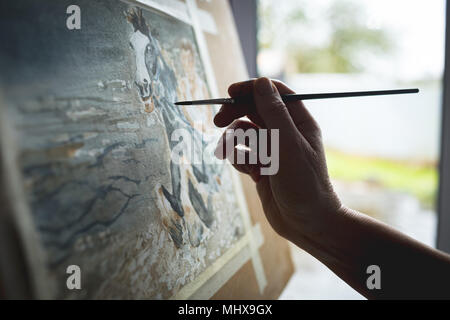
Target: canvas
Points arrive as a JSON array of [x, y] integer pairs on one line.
[[94, 126]]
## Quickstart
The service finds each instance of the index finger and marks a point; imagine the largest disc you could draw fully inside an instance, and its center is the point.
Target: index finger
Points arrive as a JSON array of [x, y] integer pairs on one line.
[[241, 88], [230, 112], [303, 120]]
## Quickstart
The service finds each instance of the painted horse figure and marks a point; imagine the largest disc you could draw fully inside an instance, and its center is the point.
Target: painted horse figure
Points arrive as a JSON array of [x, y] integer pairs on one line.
[[192, 185]]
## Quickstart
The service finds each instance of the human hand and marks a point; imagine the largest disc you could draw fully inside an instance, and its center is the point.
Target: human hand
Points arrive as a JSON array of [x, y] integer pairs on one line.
[[299, 196], [300, 204]]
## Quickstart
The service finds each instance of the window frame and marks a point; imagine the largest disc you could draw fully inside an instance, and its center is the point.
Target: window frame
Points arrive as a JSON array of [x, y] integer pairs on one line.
[[443, 227]]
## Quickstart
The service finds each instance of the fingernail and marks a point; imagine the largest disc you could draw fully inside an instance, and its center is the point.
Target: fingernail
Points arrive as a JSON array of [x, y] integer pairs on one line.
[[220, 110], [217, 117], [263, 86]]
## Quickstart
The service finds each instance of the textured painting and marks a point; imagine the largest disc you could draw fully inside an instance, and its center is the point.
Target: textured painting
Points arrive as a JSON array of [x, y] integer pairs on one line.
[[93, 118]]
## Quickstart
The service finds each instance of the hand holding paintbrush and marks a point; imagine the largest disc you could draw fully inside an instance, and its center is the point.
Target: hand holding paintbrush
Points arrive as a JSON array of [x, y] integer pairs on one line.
[[301, 205]]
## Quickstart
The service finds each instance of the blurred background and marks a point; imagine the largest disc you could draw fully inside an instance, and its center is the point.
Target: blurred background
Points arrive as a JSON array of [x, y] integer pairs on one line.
[[382, 152]]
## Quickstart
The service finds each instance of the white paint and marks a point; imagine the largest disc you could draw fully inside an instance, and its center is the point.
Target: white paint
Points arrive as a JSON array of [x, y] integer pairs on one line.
[[128, 125], [115, 84], [151, 121], [140, 42], [77, 115]]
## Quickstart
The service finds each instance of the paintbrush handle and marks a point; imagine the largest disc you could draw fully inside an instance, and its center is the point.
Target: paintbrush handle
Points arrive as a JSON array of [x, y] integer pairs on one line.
[[296, 97], [311, 96]]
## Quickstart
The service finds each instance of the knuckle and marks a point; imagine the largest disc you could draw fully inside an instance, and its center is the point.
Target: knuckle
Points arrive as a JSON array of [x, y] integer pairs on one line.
[[317, 130], [238, 123], [276, 106]]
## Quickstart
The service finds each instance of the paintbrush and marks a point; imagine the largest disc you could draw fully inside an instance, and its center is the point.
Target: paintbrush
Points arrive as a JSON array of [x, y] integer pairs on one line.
[[296, 97]]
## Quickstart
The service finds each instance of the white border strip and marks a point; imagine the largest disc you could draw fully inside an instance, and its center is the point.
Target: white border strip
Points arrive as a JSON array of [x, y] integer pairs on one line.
[[211, 79], [174, 8], [178, 10], [256, 259], [202, 48], [216, 275]]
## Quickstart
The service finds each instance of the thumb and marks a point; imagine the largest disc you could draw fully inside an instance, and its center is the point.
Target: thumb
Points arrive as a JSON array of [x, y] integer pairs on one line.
[[270, 107]]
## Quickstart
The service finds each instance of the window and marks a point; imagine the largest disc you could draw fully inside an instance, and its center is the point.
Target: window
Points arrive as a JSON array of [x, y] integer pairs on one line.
[[382, 152]]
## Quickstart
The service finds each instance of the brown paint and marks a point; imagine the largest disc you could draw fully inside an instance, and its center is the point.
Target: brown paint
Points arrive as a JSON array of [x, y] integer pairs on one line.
[[187, 209], [149, 107], [63, 151]]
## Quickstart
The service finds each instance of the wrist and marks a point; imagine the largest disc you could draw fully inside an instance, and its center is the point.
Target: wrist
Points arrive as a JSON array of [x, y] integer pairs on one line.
[[321, 228]]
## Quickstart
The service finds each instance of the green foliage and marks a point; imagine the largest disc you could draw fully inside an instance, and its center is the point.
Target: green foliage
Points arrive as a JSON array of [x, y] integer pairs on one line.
[[348, 39], [420, 180]]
